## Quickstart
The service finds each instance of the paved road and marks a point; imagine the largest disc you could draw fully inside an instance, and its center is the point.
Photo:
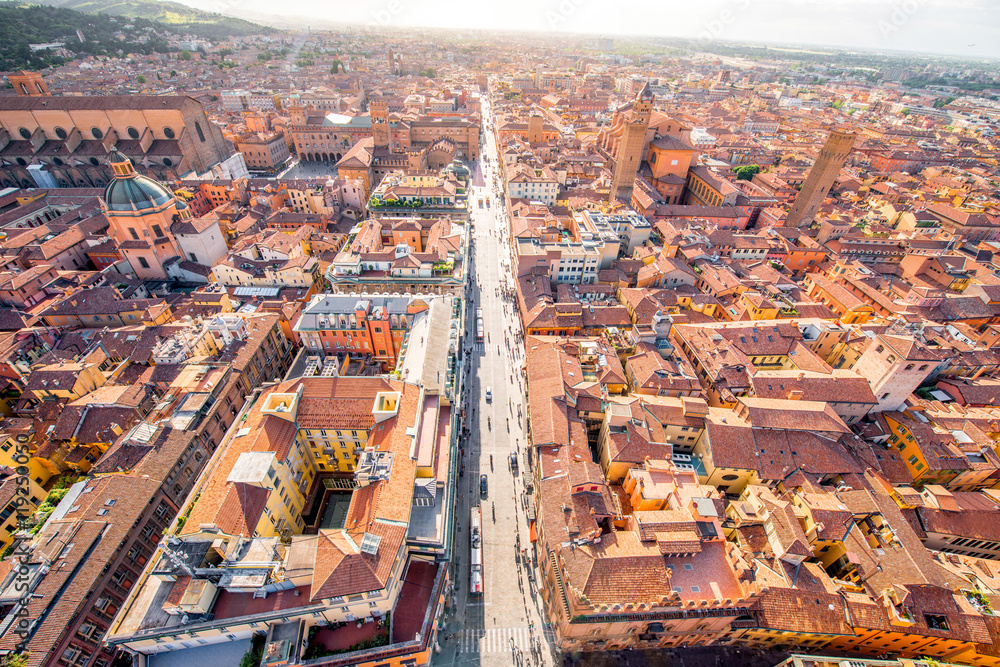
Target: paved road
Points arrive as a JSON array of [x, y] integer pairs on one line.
[[309, 170], [505, 626]]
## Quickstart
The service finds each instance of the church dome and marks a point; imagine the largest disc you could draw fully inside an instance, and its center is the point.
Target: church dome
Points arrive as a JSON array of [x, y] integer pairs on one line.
[[135, 194], [130, 191]]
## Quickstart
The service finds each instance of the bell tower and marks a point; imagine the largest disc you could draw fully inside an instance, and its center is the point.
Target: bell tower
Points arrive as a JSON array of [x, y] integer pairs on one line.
[[643, 104], [631, 145], [378, 109], [29, 84]]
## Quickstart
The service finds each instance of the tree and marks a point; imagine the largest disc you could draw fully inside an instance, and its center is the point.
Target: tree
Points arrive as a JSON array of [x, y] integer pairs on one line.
[[746, 172], [185, 55], [252, 657], [173, 72], [905, 111], [140, 79], [837, 104]]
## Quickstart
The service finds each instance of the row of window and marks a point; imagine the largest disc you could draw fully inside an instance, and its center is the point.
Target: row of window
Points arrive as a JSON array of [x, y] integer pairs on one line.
[[97, 133], [973, 544], [337, 433]]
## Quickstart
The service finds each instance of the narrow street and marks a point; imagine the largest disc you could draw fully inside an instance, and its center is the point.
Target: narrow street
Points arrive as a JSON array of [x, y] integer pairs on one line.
[[505, 626]]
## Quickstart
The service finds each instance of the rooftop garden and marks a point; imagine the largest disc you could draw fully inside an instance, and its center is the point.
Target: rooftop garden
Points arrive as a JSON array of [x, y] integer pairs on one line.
[[346, 637]]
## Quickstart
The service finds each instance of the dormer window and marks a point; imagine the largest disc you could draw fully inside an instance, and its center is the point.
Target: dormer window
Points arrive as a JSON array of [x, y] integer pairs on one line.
[[936, 622]]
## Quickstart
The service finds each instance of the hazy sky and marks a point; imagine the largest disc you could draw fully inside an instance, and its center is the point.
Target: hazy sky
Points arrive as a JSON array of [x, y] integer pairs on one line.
[[933, 26]]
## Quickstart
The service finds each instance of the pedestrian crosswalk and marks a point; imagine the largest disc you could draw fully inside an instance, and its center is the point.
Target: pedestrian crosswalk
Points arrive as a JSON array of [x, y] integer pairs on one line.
[[494, 640]]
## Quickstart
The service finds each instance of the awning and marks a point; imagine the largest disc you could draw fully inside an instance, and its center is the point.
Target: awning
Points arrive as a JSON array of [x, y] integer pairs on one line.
[[532, 532]]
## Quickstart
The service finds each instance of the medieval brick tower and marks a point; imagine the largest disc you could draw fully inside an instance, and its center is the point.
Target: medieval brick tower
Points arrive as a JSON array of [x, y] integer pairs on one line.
[[634, 123], [378, 108], [821, 177], [535, 125]]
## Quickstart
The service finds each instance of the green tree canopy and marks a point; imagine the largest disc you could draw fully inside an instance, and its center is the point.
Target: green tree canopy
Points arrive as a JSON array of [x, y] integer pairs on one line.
[[746, 172]]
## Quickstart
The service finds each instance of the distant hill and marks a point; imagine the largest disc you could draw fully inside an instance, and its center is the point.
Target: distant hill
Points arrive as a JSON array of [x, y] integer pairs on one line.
[[178, 17], [21, 26]]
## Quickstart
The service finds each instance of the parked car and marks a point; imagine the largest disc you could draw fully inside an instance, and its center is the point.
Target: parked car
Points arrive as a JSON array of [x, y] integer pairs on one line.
[[483, 485], [489, 394]]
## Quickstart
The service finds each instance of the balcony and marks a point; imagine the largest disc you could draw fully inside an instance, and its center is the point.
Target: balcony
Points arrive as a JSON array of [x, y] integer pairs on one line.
[[898, 615], [979, 600], [346, 637]]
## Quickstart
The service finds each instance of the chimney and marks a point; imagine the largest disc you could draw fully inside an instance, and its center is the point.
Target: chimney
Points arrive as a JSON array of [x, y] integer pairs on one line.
[[795, 395]]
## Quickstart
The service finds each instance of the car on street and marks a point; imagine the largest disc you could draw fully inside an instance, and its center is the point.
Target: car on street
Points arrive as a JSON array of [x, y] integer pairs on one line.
[[489, 394], [480, 203], [483, 485], [513, 460]]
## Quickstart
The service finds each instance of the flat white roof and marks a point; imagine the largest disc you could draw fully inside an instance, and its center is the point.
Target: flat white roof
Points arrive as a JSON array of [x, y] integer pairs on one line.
[[251, 467]]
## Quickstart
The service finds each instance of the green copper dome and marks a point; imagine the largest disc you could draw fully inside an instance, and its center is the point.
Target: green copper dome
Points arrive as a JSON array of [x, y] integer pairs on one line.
[[135, 193]]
